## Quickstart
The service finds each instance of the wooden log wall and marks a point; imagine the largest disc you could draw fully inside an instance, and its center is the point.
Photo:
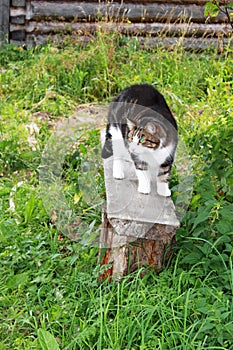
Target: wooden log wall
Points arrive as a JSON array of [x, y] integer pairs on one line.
[[4, 20], [34, 22]]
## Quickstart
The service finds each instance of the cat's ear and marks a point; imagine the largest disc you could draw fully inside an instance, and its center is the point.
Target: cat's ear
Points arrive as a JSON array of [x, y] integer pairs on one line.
[[155, 128], [130, 124], [151, 128]]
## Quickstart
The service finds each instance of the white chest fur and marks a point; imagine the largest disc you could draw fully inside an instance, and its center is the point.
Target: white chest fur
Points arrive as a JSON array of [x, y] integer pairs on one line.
[[154, 159]]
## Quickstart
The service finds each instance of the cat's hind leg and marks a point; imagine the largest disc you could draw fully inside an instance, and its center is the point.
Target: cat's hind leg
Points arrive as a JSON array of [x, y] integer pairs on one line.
[[163, 181], [163, 189], [119, 151]]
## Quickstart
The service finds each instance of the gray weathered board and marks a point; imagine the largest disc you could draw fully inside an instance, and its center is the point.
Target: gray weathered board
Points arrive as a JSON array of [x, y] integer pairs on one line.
[[126, 204]]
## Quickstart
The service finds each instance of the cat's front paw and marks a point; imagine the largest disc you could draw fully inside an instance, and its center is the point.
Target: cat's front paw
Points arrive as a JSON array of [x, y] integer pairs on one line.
[[143, 181], [163, 189], [118, 175], [118, 171], [144, 189]]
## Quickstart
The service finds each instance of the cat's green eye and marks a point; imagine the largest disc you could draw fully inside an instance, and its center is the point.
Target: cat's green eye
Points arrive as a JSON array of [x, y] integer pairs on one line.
[[142, 139]]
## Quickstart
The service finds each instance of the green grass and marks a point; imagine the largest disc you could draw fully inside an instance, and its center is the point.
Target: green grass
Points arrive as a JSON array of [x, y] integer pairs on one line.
[[50, 295]]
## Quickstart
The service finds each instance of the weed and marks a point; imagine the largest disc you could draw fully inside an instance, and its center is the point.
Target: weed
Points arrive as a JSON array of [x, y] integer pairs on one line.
[[50, 295]]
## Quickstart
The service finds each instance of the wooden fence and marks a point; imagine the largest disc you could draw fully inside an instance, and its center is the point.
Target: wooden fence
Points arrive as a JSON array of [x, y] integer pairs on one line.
[[32, 22]]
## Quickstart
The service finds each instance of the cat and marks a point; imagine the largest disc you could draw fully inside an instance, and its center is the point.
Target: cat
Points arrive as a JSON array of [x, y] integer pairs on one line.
[[141, 123]]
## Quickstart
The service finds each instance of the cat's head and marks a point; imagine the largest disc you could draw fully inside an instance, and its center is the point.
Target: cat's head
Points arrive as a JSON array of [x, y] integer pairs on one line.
[[145, 134]]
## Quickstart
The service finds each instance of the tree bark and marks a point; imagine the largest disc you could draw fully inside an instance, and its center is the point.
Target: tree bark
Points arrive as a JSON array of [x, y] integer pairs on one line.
[[123, 254]]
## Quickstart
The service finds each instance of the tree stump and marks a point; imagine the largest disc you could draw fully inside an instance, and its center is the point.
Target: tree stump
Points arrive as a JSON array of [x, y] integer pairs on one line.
[[138, 230]]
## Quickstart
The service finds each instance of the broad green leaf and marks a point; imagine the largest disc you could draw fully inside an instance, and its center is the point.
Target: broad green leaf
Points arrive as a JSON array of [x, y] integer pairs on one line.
[[229, 327], [204, 309], [207, 327], [224, 226], [211, 9], [229, 195], [205, 248], [47, 340], [227, 212], [201, 217], [229, 6], [192, 258]]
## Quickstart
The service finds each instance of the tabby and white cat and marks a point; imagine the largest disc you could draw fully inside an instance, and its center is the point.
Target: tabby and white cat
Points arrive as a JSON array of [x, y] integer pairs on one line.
[[141, 123]]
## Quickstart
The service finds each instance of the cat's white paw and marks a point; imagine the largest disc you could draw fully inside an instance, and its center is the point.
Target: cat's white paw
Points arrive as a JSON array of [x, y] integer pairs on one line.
[[118, 175], [118, 170], [143, 181], [145, 189], [163, 189]]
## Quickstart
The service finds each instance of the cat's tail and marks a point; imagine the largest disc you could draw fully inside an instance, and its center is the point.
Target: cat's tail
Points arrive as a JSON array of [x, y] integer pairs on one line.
[[107, 149]]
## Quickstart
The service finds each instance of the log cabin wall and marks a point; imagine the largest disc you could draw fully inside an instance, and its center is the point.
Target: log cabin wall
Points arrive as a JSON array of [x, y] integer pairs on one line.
[[151, 22], [4, 20]]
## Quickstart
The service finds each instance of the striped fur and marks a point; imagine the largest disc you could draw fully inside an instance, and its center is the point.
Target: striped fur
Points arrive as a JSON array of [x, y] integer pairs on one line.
[[141, 123]]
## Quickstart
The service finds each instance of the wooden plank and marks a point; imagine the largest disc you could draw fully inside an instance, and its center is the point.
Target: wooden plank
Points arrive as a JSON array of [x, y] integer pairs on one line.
[[124, 202], [85, 11], [181, 2], [35, 39], [18, 35], [15, 12], [18, 3], [175, 29], [122, 196], [170, 43], [136, 29], [193, 44], [4, 21], [17, 20]]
